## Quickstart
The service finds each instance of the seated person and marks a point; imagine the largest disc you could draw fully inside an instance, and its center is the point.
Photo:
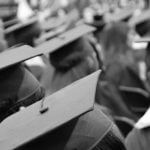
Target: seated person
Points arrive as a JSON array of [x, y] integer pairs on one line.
[[68, 64], [120, 69], [18, 88]]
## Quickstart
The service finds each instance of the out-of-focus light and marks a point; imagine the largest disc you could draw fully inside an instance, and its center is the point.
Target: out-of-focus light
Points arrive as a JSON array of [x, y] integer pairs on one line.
[[24, 11], [64, 3]]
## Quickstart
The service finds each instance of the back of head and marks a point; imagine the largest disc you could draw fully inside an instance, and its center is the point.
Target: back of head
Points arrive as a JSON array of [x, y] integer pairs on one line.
[[71, 54], [143, 28], [28, 34], [18, 88], [115, 36]]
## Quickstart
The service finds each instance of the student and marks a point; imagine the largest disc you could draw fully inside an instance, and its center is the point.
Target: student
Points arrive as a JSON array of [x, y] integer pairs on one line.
[[23, 32], [68, 121], [120, 69], [71, 61], [18, 88]]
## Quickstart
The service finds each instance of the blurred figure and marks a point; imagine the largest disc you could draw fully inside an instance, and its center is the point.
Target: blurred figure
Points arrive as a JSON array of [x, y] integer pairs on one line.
[[70, 63], [27, 34], [139, 137], [18, 88], [120, 68], [8, 9], [24, 10]]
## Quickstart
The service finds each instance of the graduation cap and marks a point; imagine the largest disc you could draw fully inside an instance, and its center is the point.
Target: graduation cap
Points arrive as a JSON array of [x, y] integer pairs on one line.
[[121, 15], [17, 55], [141, 23], [55, 22], [23, 32], [65, 38], [20, 25], [52, 23], [47, 115], [53, 33]]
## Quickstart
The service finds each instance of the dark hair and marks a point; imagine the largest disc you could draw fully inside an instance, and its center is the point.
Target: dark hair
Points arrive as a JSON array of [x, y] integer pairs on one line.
[[115, 35], [110, 142], [27, 34], [71, 54], [143, 28], [13, 90]]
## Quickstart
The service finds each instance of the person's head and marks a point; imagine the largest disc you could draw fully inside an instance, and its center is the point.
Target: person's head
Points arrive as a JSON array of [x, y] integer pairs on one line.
[[115, 39], [71, 55], [19, 87], [27, 34]]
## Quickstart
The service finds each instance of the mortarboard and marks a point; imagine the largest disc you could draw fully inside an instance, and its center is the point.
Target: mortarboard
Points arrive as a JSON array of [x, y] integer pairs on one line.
[[17, 55], [20, 54], [52, 23], [8, 9], [49, 114], [55, 22], [10, 22], [120, 15], [53, 33], [65, 38], [20, 25], [23, 32]]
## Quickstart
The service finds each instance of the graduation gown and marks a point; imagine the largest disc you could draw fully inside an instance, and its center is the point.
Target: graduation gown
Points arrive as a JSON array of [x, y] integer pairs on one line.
[[120, 72]]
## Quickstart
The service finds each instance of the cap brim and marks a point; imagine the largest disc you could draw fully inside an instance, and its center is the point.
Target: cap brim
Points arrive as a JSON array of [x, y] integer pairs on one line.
[[20, 25], [120, 14], [65, 38], [17, 55]]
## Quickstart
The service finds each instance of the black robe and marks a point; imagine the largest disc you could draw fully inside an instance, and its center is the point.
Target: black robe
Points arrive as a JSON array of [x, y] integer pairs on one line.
[[119, 72], [83, 133]]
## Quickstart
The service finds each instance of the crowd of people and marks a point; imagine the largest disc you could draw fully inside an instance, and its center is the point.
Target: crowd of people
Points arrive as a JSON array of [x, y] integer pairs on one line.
[[118, 45]]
